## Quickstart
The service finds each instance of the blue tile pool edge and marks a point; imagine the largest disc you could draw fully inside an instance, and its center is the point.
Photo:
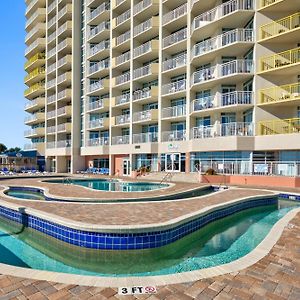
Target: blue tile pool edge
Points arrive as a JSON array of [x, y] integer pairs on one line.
[[135, 240]]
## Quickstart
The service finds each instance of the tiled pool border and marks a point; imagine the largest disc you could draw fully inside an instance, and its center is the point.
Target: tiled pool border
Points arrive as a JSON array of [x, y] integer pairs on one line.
[[129, 239]]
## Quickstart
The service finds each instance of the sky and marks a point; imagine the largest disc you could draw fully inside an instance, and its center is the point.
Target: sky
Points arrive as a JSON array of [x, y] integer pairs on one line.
[[12, 73]]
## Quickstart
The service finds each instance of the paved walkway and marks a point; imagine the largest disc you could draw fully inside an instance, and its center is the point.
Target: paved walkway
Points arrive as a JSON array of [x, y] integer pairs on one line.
[[277, 276]]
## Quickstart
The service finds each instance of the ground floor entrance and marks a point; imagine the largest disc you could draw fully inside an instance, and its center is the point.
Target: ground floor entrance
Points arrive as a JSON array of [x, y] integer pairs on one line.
[[173, 162]]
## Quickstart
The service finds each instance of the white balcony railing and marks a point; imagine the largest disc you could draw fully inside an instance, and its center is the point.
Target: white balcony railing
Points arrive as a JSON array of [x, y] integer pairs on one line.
[[142, 27], [123, 38], [141, 94], [144, 48], [175, 38], [175, 135], [174, 87], [174, 111], [99, 28], [142, 116], [99, 10], [123, 58], [63, 144], [123, 17], [98, 123], [219, 130], [122, 99], [104, 45], [175, 62], [239, 66], [120, 140], [175, 14], [143, 71], [96, 104], [221, 11], [141, 6], [102, 141], [123, 119], [101, 65], [96, 86], [222, 40], [123, 78], [149, 137]]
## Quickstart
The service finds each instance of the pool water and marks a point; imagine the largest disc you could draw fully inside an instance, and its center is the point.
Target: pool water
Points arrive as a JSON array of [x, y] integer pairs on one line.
[[26, 195], [113, 185], [218, 243]]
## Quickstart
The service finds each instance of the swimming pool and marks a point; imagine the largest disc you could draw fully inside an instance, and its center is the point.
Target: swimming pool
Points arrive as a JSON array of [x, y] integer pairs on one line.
[[217, 243], [112, 185]]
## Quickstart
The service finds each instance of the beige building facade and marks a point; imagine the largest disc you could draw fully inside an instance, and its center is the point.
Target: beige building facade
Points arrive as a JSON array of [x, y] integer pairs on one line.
[[176, 85]]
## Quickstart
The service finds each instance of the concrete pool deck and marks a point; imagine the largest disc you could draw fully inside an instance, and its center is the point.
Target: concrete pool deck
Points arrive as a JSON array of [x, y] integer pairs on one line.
[[276, 276]]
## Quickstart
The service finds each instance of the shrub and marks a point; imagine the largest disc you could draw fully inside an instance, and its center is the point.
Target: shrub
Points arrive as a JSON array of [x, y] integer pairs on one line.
[[210, 171]]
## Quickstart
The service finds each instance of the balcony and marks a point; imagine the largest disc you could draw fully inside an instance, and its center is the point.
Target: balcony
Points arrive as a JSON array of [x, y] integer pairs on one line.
[[145, 95], [149, 28], [35, 118], [175, 135], [101, 12], [51, 130], [102, 141], [98, 86], [280, 95], [279, 126], [121, 20], [63, 144], [38, 46], [146, 73], [174, 88], [121, 120], [36, 75], [98, 124], [98, 67], [228, 40], [34, 91], [284, 63], [65, 30], [39, 16], [283, 30], [64, 128], [175, 15], [33, 5], [65, 63], [64, 112], [122, 59], [35, 61], [51, 114], [65, 13], [122, 79], [236, 68], [120, 140], [121, 100], [148, 50], [38, 31], [122, 41], [174, 112], [100, 32], [35, 104], [99, 51], [35, 132], [175, 38], [65, 46], [64, 95], [40, 147], [240, 99], [178, 62], [223, 130], [146, 8], [276, 6], [141, 138], [147, 116], [99, 105]]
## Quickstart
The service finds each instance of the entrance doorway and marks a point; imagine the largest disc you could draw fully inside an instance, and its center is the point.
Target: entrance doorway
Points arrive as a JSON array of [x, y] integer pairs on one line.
[[173, 162], [126, 167]]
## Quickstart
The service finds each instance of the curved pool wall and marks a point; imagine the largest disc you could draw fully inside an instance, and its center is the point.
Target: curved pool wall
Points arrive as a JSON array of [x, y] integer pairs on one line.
[[178, 196], [131, 238]]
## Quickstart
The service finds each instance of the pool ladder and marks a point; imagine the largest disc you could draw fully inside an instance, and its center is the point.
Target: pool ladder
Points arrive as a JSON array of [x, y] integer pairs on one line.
[[67, 180], [168, 175]]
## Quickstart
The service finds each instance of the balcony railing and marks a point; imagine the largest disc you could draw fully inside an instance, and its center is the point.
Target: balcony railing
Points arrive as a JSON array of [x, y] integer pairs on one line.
[[120, 140], [102, 141], [141, 6], [175, 14], [203, 103], [279, 60], [175, 37], [280, 93], [221, 130], [96, 86], [96, 105], [141, 94], [123, 58], [99, 28], [280, 26], [63, 144], [144, 48], [34, 58], [123, 38], [122, 119], [34, 88], [104, 45], [222, 40], [143, 71], [51, 99], [123, 78], [279, 126], [174, 87], [239, 66], [51, 114], [175, 62], [101, 65], [174, 111], [34, 73], [175, 135], [123, 17], [221, 11], [99, 10], [149, 137], [143, 115], [142, 27], [122, 99], [51, 129], [264, 3], [98, 123]]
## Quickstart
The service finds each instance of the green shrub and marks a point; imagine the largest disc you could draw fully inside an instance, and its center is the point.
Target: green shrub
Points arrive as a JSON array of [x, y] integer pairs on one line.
[[210, 171]]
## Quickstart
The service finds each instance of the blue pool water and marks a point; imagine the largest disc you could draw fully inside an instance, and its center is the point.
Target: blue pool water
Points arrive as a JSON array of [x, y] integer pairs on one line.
[[218, 243], [113, 185]]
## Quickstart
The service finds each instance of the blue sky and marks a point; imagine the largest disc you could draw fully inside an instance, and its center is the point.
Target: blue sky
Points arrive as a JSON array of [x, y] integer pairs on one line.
[[12, 73]]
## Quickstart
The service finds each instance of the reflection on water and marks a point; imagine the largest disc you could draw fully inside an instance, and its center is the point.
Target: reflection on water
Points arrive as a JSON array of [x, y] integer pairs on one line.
[[217, 243]]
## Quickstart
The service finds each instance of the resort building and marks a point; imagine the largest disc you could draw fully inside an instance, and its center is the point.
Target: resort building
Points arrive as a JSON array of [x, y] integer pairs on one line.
[[175, 85]]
